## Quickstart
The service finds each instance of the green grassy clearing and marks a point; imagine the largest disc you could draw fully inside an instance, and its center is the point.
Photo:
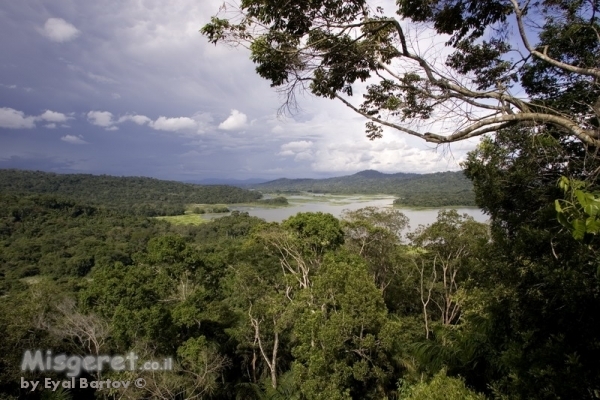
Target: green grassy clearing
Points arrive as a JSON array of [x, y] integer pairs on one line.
[[187, 219]]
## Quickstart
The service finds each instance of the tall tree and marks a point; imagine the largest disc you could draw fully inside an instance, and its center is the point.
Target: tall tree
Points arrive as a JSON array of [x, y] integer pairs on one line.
[[340, 351], [447, 250], [376, 235], [540, 285]]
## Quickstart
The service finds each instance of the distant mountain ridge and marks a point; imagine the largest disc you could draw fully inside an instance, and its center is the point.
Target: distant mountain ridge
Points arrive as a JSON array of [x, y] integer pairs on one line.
[[225, 181], [438, 189], [371, 173]]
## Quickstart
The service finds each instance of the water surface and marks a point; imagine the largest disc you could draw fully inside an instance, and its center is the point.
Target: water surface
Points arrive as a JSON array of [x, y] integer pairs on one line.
[[337, 204]]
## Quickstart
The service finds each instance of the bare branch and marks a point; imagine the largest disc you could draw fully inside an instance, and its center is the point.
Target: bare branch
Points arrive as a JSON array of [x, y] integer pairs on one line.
[[378, 120]]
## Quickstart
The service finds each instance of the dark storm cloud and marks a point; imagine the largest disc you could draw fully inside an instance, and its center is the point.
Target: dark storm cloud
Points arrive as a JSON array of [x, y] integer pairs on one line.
[[132, 88]]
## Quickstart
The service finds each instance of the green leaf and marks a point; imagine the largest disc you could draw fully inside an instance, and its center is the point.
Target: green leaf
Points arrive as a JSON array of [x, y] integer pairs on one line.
[[563, 183], [582, 197], [579, 229], [592, 209], [557, 206], [562, 219], [592, 225]]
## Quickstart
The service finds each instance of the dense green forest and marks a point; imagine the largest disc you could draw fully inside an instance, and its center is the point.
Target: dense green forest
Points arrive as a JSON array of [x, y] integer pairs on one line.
[[313, 307], [133, 195], [60, 238], [232, 300], [441, 189]]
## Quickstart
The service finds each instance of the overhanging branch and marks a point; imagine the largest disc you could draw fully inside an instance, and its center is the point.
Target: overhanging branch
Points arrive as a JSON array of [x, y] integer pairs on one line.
[[594, 72], [378, 120]]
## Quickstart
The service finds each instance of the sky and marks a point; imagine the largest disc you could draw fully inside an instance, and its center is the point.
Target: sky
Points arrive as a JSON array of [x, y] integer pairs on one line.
[[131, 88]]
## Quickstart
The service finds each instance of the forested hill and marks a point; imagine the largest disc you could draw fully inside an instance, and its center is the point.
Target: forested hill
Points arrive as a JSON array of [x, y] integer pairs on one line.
[[427, 190], [136, 195]]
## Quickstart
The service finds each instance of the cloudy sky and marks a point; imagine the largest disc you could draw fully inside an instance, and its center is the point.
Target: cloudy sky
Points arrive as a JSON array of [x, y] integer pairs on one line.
[[132, 88]]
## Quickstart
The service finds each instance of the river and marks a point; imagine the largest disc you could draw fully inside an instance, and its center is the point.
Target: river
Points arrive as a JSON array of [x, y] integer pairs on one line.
[[335, 205]]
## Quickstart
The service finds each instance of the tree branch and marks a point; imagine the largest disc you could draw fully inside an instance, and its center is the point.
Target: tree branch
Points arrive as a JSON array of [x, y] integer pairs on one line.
[[594, 72], [378, 120]]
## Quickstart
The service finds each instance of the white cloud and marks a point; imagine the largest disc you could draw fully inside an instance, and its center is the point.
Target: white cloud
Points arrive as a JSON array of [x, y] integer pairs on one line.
[[325, 142], [204, 121], [237, 120], [100, 78], [385, 155], [138, 119], [304, 156], [173, 124], [52, 116], [100, 118], [116, 96], [277, 129], [11, 118], [298, 146], [50, 126], [59, 30], [199, 123], [301, 150], [72, 139]]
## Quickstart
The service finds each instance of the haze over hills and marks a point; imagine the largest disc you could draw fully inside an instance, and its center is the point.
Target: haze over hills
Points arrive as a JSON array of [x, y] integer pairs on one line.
[[226, 181], [428, 190]]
